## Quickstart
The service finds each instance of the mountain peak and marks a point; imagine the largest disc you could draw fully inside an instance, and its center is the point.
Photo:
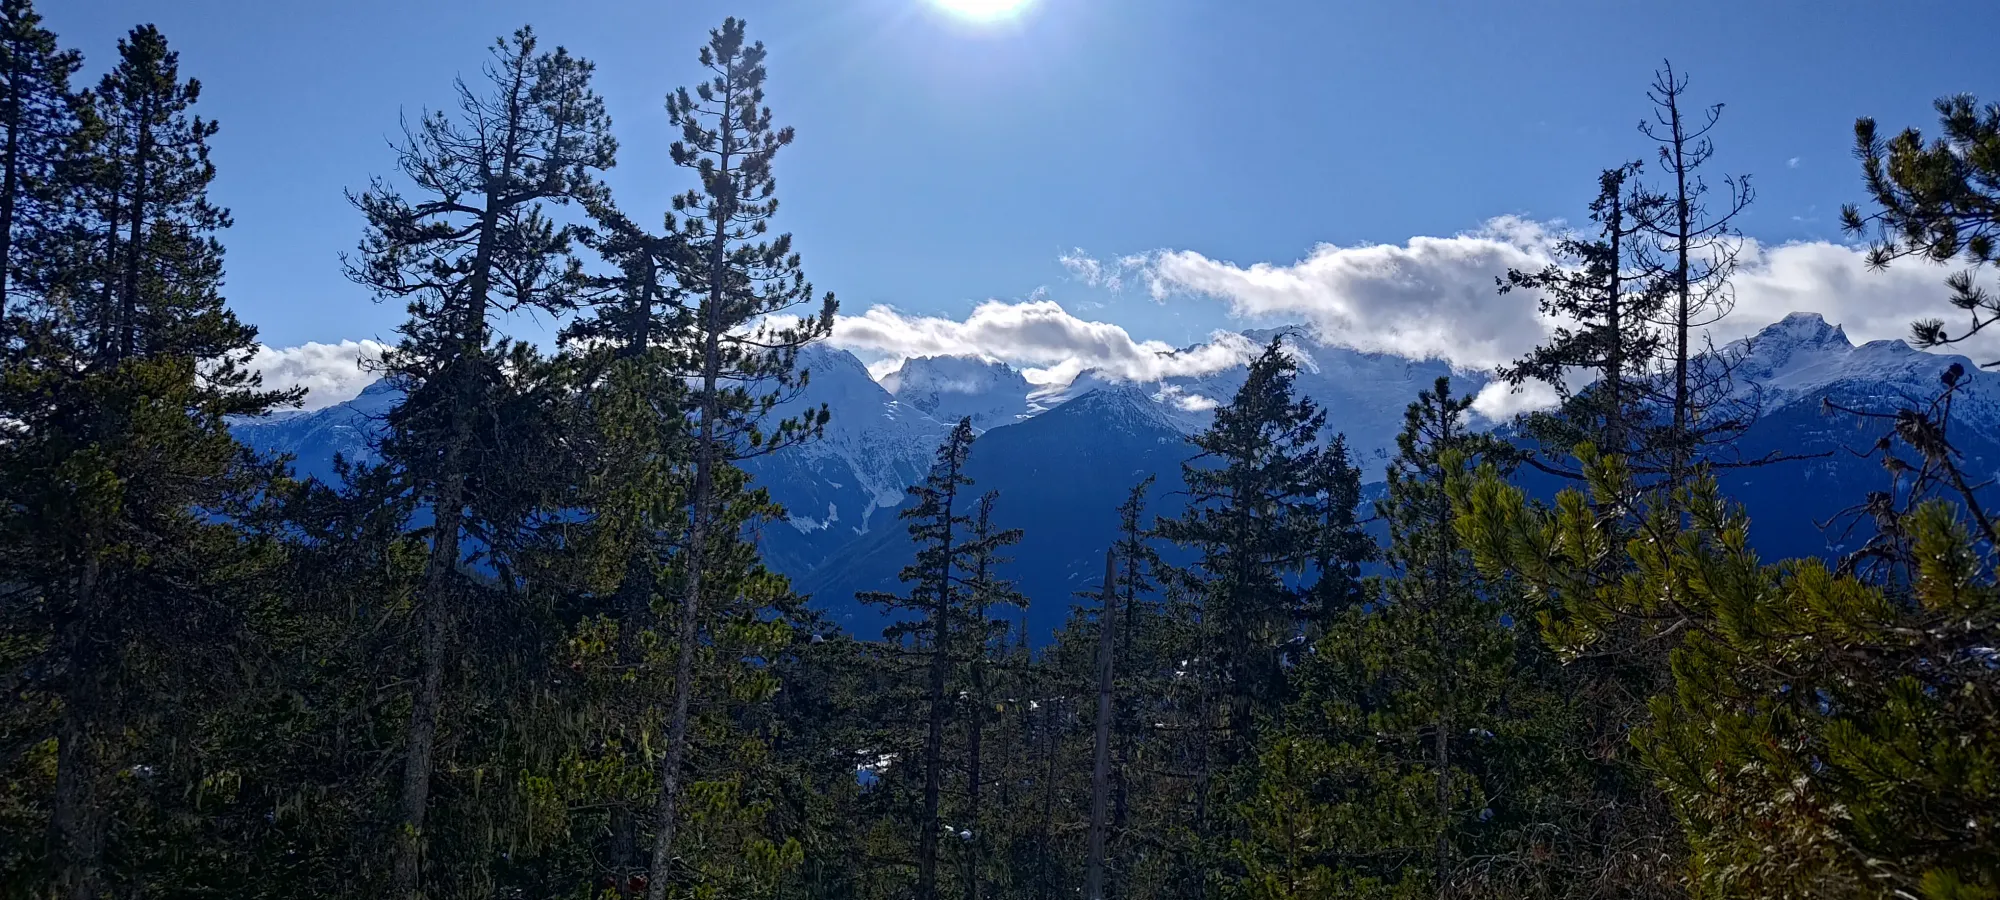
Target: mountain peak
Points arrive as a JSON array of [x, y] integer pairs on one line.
[[1116, 404], [1808, 329], [949, 388]]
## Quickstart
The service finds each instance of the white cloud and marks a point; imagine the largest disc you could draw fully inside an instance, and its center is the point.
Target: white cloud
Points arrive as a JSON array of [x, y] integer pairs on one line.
[[1099, 273], [1035, 333], [1792, 163], [1836, 282], [330, 373], [1428, 297], [1499, 401], [1436, 297]]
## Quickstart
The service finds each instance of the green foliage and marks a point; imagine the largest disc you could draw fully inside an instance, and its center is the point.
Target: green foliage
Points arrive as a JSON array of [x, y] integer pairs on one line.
[[1417, 756], [533, 651], [1936, 199], [1265, 504]]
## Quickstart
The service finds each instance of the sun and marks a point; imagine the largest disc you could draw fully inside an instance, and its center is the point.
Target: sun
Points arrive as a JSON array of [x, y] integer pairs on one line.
[[984, 10]]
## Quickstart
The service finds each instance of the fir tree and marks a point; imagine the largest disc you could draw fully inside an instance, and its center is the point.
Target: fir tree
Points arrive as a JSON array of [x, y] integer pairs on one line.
[[1386, 777], [1603, 288], [986, 595], [1254, 520], [475, 244]]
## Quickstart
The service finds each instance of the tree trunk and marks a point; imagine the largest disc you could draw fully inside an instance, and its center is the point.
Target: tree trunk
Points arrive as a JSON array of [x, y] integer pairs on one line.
[[441, 569], [1121, 788], [623, 842], [128, 330], [10, 185], [1052, 727], [1100, 773], [927, 842], [667, 809], [667, 812], [975, 725], [1443, 750], [712, 325], [425, 709], [1683, 216], [77, 822], [1614, 360]]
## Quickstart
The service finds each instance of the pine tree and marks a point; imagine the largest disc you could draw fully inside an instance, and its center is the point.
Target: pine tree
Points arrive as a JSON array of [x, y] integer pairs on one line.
[[37, 119], [125, 582], [1936, 200], [1137, 666], [986, 595], [740, 357], [475, 245]]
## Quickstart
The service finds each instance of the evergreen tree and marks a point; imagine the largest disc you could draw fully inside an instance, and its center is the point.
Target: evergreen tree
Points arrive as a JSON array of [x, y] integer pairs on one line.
[[1604, 289], [1937, 200], [1138, 668], [1264, 516], [128, 574], [37, 119], [942, 528], [475, 244], [1253, 519], [986, 595], [739, 357], [1396, 773], [1816, 736]]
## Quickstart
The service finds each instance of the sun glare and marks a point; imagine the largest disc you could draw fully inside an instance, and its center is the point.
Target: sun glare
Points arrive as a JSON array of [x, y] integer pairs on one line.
[[983, 10]]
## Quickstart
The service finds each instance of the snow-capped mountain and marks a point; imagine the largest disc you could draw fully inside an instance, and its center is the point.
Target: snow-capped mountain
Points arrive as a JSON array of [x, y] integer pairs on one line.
[[1060, 477], [851, 480], [1803, 358], [313, 438], [1063, 457], [950, 388], [1364, 394]]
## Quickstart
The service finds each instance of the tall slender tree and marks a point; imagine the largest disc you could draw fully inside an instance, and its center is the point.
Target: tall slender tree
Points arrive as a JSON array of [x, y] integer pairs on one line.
[[1100, 769], [1253, 519], [939, 524], [474, 243], [1608, 297], [740, 358], [987, 596], [1693, 231]]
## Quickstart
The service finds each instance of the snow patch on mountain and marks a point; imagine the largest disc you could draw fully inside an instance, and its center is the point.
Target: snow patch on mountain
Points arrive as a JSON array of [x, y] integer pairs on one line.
[[1803, 358], [874, 446], [950, 388]]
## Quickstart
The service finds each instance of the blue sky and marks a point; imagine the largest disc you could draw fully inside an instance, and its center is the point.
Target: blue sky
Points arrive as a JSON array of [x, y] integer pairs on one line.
[[941, 163]]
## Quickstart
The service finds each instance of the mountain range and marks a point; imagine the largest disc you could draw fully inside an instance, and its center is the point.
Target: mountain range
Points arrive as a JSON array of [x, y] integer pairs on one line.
[[1062, 457]]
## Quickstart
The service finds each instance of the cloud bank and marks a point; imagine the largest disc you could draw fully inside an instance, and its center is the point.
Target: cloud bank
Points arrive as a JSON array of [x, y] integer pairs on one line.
[[1428, 297], [330, 373], [1038, 334]]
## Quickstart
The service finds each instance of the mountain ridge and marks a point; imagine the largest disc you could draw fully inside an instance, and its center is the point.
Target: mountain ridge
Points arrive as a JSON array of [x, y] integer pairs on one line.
[[1064, 458]]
